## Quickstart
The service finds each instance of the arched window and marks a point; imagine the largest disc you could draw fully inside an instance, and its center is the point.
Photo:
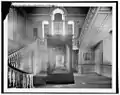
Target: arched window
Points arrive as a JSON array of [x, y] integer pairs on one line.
[[58, 22], [58, 17], [58, 10]]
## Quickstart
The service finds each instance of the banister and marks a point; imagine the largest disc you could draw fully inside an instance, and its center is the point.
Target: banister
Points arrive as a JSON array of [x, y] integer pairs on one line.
[[14, 78], [16, 69], [25, 46], [10, 53], [13, 81]]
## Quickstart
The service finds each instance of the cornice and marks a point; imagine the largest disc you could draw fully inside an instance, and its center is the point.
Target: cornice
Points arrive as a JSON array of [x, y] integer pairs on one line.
[[88, 22], [81, 15]]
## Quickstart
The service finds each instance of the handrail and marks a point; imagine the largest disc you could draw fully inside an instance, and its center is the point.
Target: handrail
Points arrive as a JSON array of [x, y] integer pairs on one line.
[[15, 50], [16, 77], [16, 69], [9, 53]]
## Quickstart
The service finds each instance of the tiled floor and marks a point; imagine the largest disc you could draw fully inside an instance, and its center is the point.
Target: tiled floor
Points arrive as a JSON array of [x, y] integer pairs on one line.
[[85, 81]]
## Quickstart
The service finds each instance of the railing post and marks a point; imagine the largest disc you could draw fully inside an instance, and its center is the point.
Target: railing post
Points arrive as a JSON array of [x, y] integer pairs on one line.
[[31, 80], [9, 77], [23, 80]]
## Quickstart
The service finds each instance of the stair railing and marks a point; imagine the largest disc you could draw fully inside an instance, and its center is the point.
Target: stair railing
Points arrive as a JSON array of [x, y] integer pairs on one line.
[[16, 77]]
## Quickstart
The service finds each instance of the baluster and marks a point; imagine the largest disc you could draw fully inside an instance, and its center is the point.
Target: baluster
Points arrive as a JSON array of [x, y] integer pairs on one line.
[[9, 77], [10, 60], [13, 78], [13, 59], [31, 81], [27, 81], [18, 79], [24, 81], [9, 73], [17, 60], [21, 80]]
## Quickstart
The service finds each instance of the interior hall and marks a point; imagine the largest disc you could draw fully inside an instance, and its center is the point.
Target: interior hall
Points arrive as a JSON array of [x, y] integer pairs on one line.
[[59, 47]]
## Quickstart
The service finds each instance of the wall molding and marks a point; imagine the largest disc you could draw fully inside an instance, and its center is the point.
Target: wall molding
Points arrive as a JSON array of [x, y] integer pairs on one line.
[[81, 15]]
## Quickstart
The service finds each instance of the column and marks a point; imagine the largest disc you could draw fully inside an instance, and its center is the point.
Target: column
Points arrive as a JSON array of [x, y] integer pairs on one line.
[[69, 58], [98, 58], [80, 61]]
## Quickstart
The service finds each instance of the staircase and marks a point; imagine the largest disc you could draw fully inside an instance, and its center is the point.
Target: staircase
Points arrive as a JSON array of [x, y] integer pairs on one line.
[[26, 77], [18, 78]]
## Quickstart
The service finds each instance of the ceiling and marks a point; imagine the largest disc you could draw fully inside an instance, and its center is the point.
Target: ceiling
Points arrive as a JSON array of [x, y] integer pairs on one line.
[[46, 10]]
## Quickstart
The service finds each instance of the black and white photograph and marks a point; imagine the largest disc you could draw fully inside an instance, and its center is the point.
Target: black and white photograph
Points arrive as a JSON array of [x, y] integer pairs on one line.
[[59, 47]]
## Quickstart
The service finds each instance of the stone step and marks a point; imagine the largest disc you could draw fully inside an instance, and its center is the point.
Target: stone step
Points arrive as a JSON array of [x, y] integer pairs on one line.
[[61, 78]]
